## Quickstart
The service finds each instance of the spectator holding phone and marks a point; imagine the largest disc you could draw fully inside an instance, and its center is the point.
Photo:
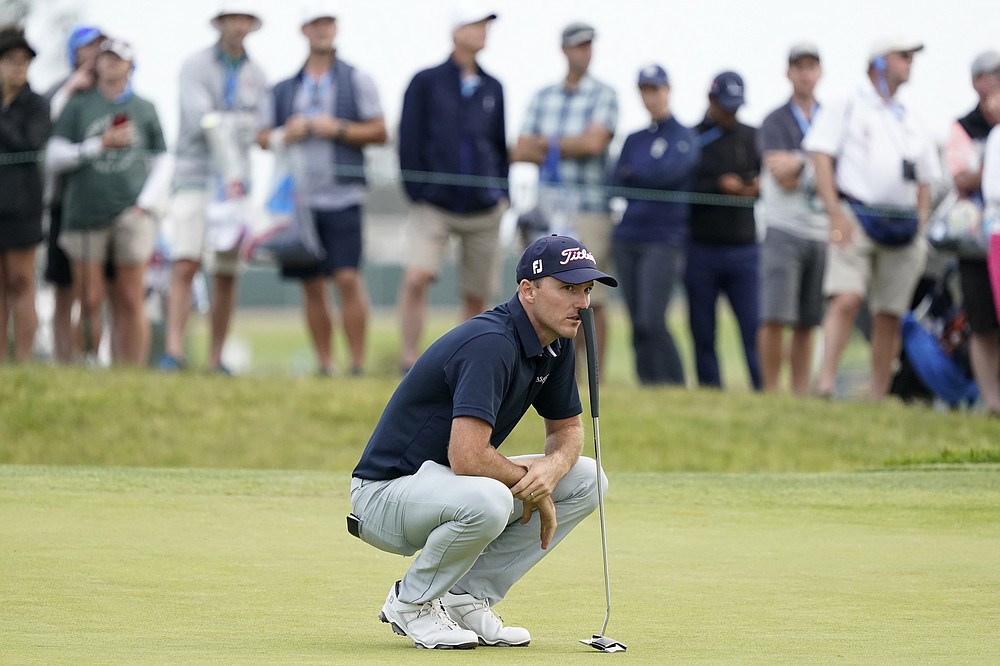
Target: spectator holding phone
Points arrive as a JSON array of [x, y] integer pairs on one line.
[[24, 128], [109, 144]]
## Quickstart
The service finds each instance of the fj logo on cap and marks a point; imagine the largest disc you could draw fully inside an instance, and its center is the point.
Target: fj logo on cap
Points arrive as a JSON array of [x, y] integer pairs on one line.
[[536, 267]]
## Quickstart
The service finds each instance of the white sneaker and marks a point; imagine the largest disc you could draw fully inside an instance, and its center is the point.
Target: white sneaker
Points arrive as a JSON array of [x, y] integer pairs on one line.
[[428, 625], [476, 615]]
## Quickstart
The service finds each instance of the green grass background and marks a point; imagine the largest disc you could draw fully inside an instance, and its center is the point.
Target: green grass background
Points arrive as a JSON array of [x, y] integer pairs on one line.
[[148, 518]]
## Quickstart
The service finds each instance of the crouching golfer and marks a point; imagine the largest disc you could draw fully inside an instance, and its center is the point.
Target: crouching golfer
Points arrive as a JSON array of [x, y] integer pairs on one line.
[[431, 478]]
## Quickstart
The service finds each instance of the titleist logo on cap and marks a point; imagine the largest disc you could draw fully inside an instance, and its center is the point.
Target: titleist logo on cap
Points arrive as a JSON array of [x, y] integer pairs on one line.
[[576, 254]]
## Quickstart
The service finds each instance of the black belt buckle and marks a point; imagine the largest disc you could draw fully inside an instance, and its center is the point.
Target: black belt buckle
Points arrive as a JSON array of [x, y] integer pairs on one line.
[[354, 525]]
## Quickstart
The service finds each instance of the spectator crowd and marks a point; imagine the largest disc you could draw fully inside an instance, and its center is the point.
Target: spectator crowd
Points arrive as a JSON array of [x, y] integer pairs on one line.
[[818, 220]]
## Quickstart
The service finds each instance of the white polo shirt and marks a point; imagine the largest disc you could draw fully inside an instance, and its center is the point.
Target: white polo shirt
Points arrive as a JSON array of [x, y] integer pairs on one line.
[[870, 138]]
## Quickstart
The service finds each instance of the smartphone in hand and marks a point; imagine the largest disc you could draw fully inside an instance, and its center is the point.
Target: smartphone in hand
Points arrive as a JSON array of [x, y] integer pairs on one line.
[[120, 119]]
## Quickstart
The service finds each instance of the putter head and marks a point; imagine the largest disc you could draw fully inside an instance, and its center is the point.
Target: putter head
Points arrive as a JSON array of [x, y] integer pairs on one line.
[[604, 644]]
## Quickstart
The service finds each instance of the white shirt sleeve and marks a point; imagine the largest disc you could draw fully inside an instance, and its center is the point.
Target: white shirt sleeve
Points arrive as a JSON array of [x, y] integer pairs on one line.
[[991, 168], [828, 130], [63, 155], [157, 186]]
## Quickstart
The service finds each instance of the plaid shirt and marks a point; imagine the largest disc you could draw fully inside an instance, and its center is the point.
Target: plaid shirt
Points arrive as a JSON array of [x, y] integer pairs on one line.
[[555, 112]]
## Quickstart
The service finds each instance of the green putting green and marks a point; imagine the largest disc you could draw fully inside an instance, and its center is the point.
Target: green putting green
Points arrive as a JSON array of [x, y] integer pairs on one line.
[[138, 565]]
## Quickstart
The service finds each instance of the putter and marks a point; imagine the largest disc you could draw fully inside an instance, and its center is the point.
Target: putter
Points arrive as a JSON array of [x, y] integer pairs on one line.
[[598, 641]]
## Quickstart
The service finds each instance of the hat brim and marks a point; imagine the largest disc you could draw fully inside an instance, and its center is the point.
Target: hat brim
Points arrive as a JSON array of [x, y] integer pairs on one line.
[[582, 275], [581, 38], [217, 21], [729, 104], [794, 58], [18, 44], [312, 19], [461, 23]]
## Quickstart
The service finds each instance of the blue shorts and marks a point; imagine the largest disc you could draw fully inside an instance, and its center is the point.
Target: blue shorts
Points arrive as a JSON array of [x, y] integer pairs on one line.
[[340, 234]]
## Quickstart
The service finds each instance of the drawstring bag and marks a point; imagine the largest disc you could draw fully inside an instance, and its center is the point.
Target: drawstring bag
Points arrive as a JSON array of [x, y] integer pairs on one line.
[[292, 240]]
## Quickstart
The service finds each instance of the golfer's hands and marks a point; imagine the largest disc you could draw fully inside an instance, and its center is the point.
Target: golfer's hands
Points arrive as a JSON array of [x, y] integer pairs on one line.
[[546, 514], [535, 492], [539, 481]]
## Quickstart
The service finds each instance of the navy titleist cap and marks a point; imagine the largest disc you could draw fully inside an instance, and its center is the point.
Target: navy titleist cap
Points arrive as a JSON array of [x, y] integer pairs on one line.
[[727, 89], [563, 258]]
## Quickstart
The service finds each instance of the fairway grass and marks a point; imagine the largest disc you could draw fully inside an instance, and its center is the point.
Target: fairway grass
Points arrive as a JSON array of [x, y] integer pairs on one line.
[[139, 566]]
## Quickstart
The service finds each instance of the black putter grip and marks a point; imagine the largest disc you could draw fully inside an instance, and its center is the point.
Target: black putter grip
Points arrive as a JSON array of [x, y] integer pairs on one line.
[[590, 335]]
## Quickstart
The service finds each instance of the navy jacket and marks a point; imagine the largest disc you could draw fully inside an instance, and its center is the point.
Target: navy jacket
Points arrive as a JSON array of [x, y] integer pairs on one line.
[[661, 157], [445, 139]]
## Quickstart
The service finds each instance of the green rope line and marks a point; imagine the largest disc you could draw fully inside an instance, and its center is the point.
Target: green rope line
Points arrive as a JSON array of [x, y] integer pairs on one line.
[[459, 180]]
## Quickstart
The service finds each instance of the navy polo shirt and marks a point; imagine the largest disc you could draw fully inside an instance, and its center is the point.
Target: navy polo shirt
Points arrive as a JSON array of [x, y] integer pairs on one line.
[[491, 367]]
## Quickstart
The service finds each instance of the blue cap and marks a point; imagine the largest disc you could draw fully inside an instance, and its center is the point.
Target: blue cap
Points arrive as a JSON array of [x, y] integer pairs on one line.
[[653, 75], [81, 36], [563, 258], [727, 90]]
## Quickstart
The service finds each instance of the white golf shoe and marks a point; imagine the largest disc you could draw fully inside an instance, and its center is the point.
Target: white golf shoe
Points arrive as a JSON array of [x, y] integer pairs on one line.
[[476, 615], [428, 625]]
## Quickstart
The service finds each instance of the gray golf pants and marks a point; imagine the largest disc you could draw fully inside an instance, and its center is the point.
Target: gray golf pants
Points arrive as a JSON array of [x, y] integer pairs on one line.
[[467, 528]]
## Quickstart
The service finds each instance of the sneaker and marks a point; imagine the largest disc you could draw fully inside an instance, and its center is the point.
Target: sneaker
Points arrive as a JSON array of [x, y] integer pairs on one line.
[[168, 363], [428, 624], [476, 615]]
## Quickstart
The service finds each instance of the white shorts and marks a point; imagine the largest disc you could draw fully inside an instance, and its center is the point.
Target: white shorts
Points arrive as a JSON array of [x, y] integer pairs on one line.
[[129, 240], [184, 228]]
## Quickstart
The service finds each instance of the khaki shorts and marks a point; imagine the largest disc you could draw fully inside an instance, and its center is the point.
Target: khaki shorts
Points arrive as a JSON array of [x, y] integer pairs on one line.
[[185, 229], [887, 275], [129, 240], [426, 241], [595, 233]]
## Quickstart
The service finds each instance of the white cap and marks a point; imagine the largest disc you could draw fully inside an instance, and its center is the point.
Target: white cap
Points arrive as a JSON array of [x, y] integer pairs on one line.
[[239, 8], [467, 13], [318, 9], [986, 62], [893, 45], [120, 48]]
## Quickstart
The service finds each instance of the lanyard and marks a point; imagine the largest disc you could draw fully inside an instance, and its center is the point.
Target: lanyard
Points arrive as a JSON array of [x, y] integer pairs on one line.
[[800, 116], [711, 135], [229, 89], [317, 90], [231, 67]]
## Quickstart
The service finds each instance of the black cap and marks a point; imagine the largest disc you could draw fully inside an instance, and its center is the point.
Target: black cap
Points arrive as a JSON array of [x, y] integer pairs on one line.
[[13, 38], [563, 258]]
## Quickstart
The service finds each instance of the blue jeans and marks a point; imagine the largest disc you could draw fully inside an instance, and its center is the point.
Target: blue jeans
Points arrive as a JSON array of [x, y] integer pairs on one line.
[[648, 274], [735, 271]]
